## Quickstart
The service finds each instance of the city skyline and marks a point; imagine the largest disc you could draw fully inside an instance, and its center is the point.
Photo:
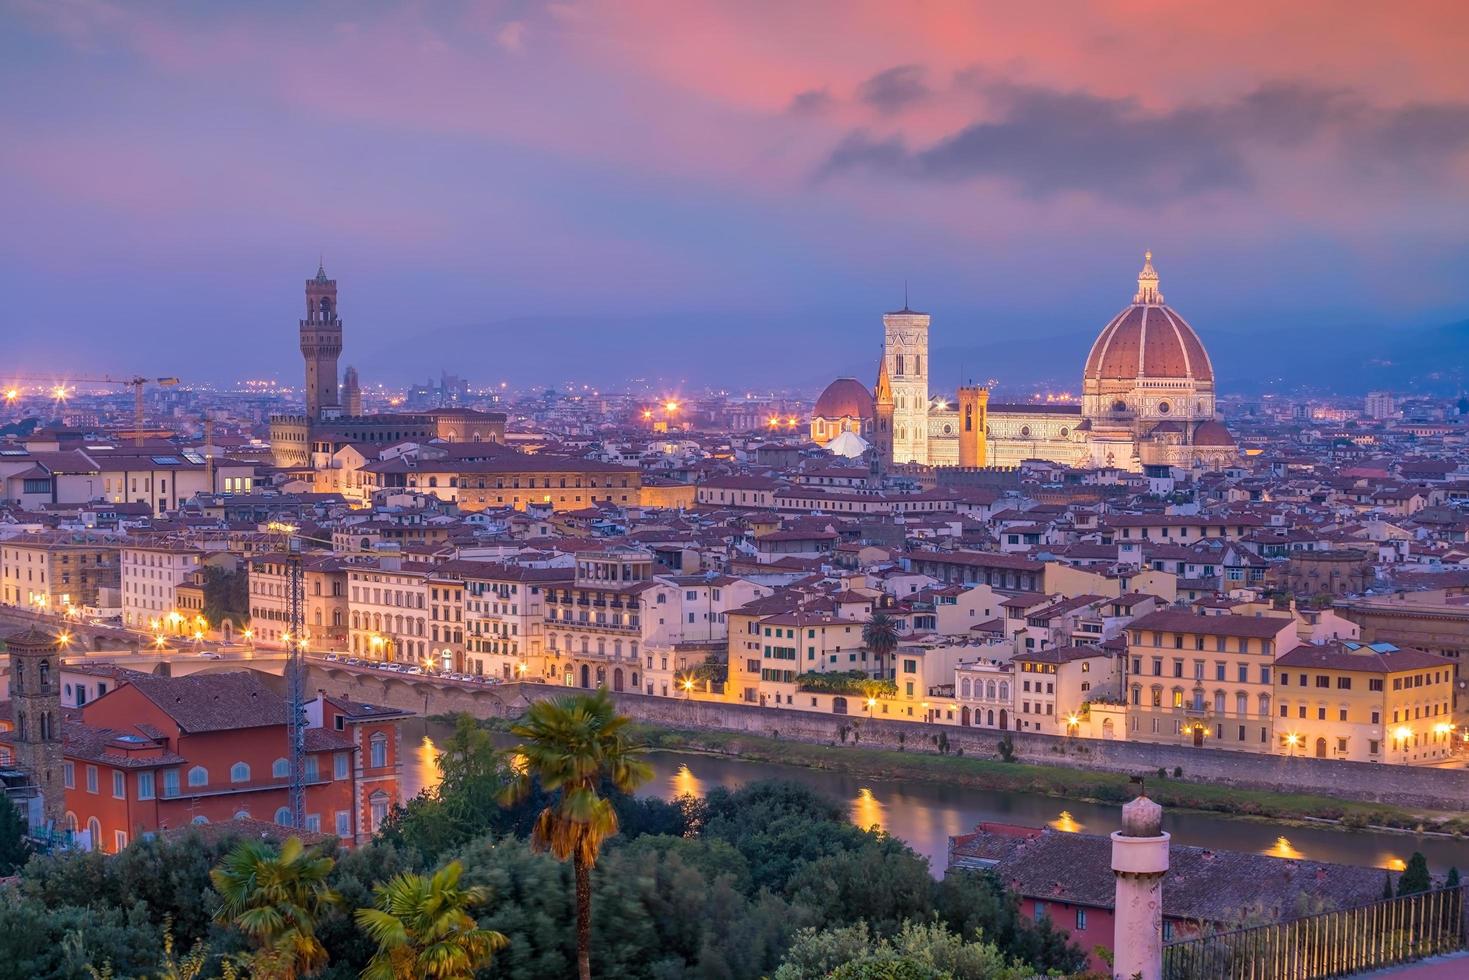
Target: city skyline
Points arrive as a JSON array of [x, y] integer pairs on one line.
[[657, 192]]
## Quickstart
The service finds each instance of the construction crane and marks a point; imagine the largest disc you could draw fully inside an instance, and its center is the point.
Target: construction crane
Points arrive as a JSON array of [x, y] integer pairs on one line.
[[135, 383]]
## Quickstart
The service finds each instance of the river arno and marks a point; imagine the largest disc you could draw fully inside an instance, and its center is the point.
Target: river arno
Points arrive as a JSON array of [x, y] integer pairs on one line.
[[926, 813]]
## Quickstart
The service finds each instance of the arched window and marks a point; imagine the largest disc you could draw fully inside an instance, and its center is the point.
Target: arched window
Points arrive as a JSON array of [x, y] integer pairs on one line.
[[283, 816], [71, 822], [280, 768], [965, 688], [94, 829], [989, 690], [200, 819], [198, 776], [1004, 690], [378, 750], [239, 773], [242, 814], [45, 675], [1264, 706]]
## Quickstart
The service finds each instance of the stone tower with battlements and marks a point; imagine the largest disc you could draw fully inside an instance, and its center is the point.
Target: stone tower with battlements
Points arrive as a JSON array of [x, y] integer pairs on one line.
[[321, 345], [35, 704]]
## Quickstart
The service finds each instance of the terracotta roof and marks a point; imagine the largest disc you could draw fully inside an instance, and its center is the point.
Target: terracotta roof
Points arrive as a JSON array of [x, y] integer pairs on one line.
[[1148, 341], [1202, 884], [1178, 621], [1376, 658], [213, 702], [844, 398]]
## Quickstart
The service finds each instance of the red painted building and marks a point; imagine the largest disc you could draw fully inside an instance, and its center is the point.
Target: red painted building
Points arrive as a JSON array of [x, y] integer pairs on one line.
[[1067, 878], [159, 753]]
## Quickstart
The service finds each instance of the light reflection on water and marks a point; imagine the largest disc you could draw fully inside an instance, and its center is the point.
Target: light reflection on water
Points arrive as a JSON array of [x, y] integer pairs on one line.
[[866, 810], [1065, 823], [683, 782], [429, 774], [927, 813], [1283, 848]]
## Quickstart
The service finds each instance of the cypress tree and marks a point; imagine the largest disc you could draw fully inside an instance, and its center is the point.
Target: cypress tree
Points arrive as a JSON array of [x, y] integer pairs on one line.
[[1415, 878]]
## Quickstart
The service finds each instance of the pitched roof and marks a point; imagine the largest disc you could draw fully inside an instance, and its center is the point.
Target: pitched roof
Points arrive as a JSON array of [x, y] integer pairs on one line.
[[1201, 884], [213, 702]]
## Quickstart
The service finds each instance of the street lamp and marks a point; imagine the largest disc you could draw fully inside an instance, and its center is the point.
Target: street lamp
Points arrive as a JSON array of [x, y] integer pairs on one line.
[[1291, 741]]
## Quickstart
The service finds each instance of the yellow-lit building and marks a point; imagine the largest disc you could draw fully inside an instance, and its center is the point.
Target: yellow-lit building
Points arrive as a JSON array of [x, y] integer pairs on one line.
[[1204, 680], [509, 480], [1364, 702], [657, 492]]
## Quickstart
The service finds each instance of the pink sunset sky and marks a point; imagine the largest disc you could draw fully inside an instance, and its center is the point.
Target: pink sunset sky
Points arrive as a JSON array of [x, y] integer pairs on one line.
[[172, 171]]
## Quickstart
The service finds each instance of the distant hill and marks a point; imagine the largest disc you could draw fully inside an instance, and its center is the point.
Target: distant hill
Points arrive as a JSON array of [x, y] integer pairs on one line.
[[787, 350]]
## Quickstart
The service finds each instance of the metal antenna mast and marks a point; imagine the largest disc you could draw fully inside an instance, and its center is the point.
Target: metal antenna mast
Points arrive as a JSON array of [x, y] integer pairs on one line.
[[295, 668]]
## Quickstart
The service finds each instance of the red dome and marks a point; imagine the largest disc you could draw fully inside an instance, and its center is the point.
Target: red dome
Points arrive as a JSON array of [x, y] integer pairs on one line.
[[1148, 341], [1213, 433], [844, 398]]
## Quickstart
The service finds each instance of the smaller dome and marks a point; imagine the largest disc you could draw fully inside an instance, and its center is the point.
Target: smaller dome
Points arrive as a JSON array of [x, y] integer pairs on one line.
[[848, 444], [844, 398], [1213, 433]]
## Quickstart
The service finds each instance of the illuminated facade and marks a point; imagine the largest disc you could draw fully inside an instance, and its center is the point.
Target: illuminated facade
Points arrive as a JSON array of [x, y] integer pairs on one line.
[[1147, 400]]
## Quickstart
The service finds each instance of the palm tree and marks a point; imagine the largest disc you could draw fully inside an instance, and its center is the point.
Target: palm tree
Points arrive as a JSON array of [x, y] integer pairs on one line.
[[275, 899], [880, 635], [572, 745], [423, 928]]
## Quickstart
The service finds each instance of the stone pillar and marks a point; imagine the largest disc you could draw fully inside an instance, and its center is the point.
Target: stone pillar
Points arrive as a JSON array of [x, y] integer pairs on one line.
[[1139, 861]]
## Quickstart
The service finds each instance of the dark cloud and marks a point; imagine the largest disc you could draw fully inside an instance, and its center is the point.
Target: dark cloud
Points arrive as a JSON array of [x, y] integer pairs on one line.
[[1049, 142], [895, 89], [810, 103]]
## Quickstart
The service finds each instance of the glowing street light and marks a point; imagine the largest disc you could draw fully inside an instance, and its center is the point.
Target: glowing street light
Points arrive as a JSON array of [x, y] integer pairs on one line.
[[11, 394], [63, 638], [670, 406], [159, 642]]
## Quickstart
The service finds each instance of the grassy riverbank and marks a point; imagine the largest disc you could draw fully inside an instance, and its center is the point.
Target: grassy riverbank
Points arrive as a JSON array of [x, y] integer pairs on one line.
[[1056, 781]]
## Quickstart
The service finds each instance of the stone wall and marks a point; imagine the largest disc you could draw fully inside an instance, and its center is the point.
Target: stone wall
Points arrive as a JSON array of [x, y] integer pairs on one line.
[[1400, 785]]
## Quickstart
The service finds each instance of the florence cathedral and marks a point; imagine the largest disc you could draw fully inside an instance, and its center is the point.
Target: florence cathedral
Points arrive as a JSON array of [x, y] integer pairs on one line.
[[1147, 400]]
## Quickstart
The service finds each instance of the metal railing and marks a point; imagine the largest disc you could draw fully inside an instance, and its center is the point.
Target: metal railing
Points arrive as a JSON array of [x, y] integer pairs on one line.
[[1329, 944]]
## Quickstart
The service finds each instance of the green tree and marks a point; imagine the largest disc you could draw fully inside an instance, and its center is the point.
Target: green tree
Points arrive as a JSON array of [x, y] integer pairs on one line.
[[571, 746], [14, 849], [464, 805], [168, 877], [226, 595], [880, 636], [533, 907], [1452, 880], [37, 940], [276, 898], [975, 903], [423, 928], [1415, 877], [918, 951], [880, 881]]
